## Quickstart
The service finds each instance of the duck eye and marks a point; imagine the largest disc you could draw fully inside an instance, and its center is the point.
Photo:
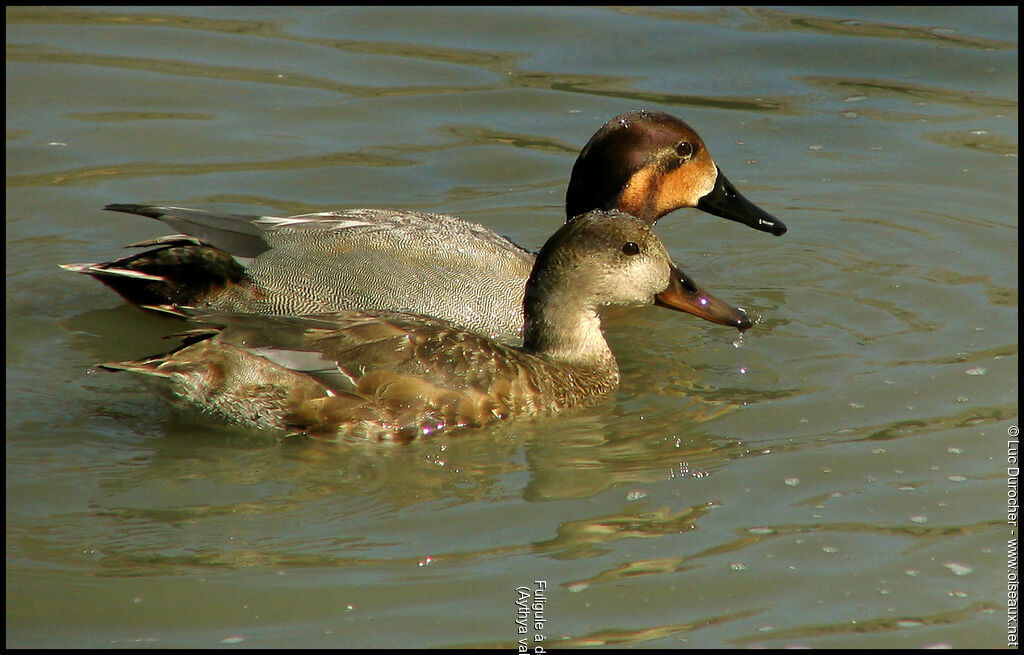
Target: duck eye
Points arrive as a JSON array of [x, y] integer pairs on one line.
[[630, 248], [684, 149]]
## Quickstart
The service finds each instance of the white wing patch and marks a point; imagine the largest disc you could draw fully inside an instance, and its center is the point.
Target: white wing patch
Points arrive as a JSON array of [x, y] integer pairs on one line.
[[327, 219]]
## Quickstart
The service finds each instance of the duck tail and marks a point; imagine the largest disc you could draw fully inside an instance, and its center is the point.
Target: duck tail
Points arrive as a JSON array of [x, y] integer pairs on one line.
[[178, 270], [234, 233]]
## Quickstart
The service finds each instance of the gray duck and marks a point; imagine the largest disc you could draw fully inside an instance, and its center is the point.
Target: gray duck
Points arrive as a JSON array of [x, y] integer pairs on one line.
[[644, 163]]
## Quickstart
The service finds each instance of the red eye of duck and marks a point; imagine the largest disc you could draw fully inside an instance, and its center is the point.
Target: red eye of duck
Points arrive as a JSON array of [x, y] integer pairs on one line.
[[630, 248], [684, 149]]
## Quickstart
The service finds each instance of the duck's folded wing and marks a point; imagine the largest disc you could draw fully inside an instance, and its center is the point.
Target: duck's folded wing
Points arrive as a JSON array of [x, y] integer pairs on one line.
[[418, 373], [398, 261], [247, 235], [346, 349], [236, 234], [416, 235]]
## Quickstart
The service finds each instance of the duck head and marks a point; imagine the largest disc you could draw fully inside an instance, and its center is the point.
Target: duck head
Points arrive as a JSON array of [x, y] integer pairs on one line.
[[602, 259], [648, 164]]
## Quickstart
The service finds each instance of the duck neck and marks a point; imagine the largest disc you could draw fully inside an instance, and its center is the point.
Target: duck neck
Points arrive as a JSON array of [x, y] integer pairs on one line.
[[560, 327]]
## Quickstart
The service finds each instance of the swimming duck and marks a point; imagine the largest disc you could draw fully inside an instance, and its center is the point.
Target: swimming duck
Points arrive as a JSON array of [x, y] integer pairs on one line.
[[644, 163], [393, 377]]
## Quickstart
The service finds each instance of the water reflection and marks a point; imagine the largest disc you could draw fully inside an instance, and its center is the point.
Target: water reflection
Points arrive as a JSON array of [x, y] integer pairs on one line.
[[784, 20], [915, 93]]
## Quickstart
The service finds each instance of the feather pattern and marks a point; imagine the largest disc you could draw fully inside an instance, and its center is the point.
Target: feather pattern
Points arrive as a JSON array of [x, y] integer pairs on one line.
[[391, 376]]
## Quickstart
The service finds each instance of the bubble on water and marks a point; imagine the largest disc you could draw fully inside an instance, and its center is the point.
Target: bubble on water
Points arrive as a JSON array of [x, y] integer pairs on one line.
[[958, 569]]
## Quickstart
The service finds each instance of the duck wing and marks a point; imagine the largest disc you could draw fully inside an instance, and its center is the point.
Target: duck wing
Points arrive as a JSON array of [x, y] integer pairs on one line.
[[343, 349], [366, 259], [417, 373], [233, 233]]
